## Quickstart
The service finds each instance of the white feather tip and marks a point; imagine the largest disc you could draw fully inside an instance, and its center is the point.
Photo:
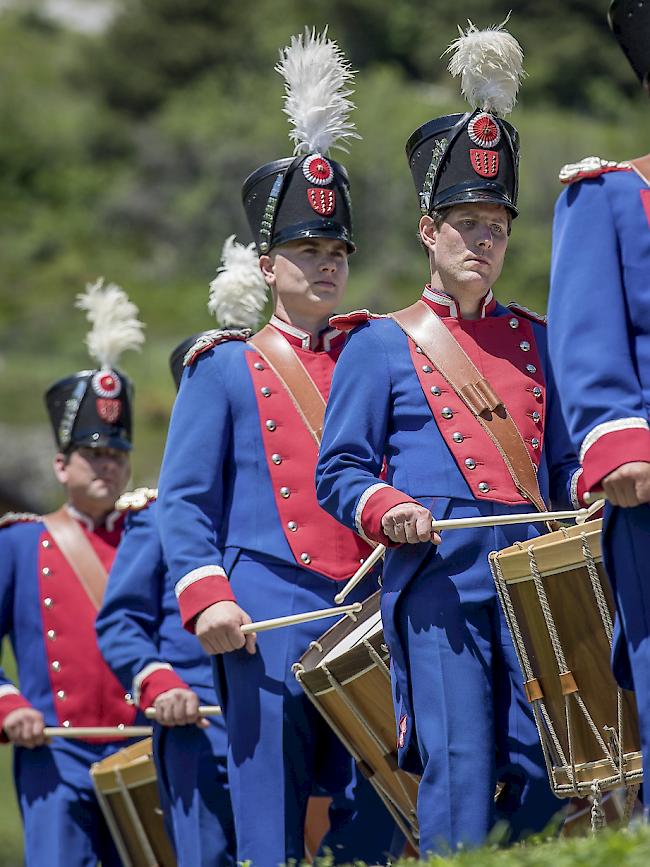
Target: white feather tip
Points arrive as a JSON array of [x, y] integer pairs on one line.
[[114, 320], [317, 79], [238, 292], [490, 64]]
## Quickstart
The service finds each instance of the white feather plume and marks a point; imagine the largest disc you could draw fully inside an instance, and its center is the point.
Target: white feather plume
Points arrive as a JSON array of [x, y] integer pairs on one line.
[[490, 63], [114, 320], [317, 80], [238, 292]]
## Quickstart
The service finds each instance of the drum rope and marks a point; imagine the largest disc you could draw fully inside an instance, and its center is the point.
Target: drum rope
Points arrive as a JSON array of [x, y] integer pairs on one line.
[[598, 818], [631, 794], [377, 659], [524, 662], [601, 601]]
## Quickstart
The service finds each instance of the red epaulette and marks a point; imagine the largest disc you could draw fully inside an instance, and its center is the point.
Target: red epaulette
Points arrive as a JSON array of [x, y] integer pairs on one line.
[[213, 338], [135, 501], [590, 167], [348, 321], [526, 313], [10, 518]]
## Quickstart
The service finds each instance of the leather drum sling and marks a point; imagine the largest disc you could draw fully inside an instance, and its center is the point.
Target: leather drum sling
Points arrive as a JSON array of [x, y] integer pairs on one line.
[[428, 332], [298, 384], [80, 554]]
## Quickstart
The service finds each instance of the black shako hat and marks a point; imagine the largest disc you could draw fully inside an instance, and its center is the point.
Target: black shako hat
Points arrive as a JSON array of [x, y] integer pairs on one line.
[[629, 21], [308, 195], [473, 157], [95, 407]]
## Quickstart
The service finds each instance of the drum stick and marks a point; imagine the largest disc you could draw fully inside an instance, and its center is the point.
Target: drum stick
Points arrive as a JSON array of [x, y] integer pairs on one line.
[[361, 573], [593, 497], [292, 619], [204, 710], [89, 732]]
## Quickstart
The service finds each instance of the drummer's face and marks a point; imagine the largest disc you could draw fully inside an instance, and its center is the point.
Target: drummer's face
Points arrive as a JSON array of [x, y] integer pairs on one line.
[[467, 247]]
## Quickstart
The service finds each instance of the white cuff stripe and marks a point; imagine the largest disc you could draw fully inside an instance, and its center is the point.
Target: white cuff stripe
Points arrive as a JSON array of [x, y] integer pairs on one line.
[[197, 575], [575, 478], [608, 427], [8, 689], [142, 675], [363, 499]]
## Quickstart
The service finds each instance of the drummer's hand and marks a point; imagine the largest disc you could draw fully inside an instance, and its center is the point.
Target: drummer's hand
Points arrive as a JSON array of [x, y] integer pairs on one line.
[[24, 727], [218, 628], [409, 523], [178, 707], [628, 485]]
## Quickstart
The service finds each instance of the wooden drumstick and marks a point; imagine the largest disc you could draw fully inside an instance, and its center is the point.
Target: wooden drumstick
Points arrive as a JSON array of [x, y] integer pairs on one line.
[[292, 619], [361, 573], [204, 710], [593, 497], [90, 732]]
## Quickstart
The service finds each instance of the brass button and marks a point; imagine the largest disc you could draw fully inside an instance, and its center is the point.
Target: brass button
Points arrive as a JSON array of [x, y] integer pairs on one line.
[[285, 493], [292, 526], [537, 391], [483, 487], [51, 634], [46, 570], [270, 424], [435, 390], [276, 458], [266, 391], [60, 693], [45, 543], [513, 323], [470, 463], [56, 665], [48, 602], [306, 559], [457, 437], [446, 412], [258, 365], [524, 346], [531, 368], [534, 443], [427, 369], [536, 416]]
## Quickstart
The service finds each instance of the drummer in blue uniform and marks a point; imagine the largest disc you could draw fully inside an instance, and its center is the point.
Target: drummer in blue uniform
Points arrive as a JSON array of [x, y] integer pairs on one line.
[[53, 570], [600, 352], [141, 636], [242, 532], [462, 718]]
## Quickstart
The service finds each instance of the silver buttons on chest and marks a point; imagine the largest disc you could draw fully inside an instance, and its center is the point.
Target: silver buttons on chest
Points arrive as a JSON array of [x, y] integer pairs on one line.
[[51, 634], [48, 602], [513, 323], [56, 665], [446, 412], [285, 493], [427, 369], [534, 443], [60, 693], [531, 368], [128, 698], [435, 391], [457, 437], [270, 424], [66, 723], [470, 463], [483, 487], [292, 526], [524, 346], [45, 543], [258, 365], [46, 571], [276, 458], [306, 559], [536, 416], [537, 391], [266, 391], [418, 350]]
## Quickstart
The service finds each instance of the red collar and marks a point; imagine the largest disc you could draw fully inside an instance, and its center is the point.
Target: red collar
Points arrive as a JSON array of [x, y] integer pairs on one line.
[[325, 341], [445, 306]]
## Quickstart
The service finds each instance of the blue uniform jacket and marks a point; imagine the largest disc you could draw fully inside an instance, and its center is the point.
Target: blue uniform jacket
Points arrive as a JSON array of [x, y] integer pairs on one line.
[[139, 628]]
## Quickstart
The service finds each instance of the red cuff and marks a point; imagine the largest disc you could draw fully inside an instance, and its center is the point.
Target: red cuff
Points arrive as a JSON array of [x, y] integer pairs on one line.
[[156, 683], [611, 451], [8, 703], [376, 507], [201, 594], [581, 490]]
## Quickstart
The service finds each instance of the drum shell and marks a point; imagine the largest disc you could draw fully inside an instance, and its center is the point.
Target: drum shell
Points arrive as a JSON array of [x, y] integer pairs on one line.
[[561, 560], [353, 693], [127, 790]]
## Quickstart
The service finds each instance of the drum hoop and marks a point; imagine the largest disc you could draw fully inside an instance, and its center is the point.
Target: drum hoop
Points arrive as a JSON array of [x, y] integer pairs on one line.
[[309, 661]]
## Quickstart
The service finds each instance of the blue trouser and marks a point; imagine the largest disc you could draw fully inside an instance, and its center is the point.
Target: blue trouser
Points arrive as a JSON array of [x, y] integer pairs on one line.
[[458, 690], [626, 551], [64, 825], [194, 793], [280, 749]]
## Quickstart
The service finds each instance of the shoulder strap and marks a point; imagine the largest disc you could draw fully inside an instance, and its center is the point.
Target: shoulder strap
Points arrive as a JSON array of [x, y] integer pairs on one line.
[[642, 167], [428, 332], [80, 554], [286, 365]]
